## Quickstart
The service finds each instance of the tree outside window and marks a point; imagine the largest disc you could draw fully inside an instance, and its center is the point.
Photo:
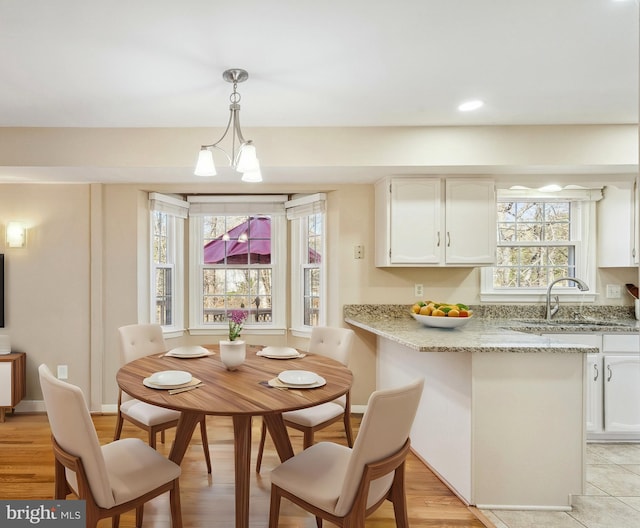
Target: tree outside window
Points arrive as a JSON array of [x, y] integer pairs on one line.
[[534, 244]]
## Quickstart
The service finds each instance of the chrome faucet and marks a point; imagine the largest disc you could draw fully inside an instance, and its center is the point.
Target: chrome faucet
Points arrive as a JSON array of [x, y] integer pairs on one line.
[[552, 311]]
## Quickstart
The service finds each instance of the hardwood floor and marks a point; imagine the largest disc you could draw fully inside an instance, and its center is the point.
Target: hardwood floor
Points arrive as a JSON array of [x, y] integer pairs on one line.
[[26, 472]]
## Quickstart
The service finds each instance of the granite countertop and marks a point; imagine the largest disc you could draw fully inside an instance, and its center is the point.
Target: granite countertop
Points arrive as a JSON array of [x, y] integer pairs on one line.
[[488, 330]]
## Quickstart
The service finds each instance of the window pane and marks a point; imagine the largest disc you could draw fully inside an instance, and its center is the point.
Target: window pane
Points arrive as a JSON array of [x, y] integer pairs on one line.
[[557, 211], [528, 232], [529, 212], [237, 240], [163, 296], [530, 277], [160, 237], [314, 238], [506, 233], [559, 256], [311, 296], [506, 211], [237, 288]]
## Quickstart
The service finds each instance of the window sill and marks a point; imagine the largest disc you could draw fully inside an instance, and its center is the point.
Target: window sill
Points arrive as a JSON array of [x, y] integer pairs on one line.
[[245, 332], [537, 297]]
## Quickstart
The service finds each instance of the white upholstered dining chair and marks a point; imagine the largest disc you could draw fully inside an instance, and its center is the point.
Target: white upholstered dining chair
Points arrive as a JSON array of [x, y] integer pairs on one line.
[[335, 343], [136, 341], [112, 479], [344, 485]]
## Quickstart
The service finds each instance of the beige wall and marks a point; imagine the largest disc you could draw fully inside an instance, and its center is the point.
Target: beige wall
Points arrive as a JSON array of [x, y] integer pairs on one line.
[[78, 278], [47, 283]]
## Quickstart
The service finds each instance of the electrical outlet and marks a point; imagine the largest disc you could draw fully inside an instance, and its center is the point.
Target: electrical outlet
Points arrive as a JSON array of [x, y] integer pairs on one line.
[[418, 290], [614, 291], [63, 372]]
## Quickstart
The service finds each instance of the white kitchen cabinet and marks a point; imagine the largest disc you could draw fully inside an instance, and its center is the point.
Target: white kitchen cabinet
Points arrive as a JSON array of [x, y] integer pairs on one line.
[[612, 385], [433, 221], [617, 220], [621, 380]]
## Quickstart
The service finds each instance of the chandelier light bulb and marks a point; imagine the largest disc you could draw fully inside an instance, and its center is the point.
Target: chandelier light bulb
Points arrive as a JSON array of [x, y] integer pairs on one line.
[[254, 176], [247, 158], [205, 165]]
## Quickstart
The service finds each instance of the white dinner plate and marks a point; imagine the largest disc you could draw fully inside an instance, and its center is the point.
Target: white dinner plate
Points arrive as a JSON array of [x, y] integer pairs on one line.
[[170, 378], [298, 377], [441, 322], [277, 352], [275, 382], [151, 385], [188, 352]]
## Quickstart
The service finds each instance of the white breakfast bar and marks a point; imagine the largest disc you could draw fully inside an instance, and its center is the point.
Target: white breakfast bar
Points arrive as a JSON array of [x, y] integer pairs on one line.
[[501, 419]]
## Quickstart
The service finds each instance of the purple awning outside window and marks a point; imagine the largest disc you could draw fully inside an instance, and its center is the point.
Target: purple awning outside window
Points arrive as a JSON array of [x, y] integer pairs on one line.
[[258, 231]]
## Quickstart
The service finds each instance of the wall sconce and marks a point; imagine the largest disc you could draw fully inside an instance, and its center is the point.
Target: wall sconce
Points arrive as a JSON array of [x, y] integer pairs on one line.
[[16, 235]]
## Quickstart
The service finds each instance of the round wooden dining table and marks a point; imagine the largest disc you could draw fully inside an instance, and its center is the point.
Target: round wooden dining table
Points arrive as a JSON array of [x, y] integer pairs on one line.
[[241, 394]]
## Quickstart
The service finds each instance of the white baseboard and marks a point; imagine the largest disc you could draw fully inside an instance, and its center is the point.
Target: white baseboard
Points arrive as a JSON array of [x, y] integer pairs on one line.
[[522, 507], [30, 406], [358, 409]]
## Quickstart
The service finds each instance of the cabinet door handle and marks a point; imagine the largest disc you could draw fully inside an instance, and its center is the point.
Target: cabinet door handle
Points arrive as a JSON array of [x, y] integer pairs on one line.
[[597, 372], [610, 372], [448, 239], [438, 244]]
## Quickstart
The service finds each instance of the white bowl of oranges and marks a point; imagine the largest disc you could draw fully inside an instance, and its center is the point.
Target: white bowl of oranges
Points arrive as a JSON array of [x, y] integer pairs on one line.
[[441, 315]]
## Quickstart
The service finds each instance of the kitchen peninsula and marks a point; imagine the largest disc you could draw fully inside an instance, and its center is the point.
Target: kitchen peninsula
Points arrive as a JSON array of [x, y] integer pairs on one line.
[[501, 419]]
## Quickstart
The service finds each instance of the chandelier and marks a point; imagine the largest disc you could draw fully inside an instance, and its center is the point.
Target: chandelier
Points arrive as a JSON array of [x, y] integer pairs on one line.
[[243, 153]]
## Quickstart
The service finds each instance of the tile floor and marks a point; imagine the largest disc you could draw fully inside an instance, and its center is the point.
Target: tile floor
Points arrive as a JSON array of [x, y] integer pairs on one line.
[[612, 498]]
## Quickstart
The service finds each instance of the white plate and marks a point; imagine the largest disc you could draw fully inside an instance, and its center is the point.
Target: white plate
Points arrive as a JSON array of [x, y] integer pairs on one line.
[[275, 382], [276, 352], [298, 377], [167, 378], [188, 352], [441, 322]]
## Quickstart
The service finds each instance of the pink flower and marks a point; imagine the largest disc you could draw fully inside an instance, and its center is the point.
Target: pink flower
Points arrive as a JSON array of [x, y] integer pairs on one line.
[[236, 320]]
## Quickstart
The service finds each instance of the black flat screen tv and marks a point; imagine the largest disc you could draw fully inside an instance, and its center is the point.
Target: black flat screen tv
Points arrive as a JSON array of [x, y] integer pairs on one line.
[[1, 291]]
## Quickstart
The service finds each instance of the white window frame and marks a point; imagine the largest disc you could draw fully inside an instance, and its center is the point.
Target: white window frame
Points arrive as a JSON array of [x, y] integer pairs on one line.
[[176, 211], [298, 211], [272, 205], [583, 235]]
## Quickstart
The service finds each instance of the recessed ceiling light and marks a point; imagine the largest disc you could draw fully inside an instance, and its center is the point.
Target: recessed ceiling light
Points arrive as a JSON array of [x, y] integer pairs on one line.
[[468, 106]]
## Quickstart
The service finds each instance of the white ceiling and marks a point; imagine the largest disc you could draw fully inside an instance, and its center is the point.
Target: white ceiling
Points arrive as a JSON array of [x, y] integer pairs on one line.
[[159, 63]]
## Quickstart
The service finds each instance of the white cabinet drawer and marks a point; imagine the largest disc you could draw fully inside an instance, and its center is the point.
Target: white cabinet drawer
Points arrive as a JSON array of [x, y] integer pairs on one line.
[[621, 343]]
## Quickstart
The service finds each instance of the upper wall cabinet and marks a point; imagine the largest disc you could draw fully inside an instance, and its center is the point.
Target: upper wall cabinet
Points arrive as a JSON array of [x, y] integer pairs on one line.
[[617, 227], [433, 221]]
